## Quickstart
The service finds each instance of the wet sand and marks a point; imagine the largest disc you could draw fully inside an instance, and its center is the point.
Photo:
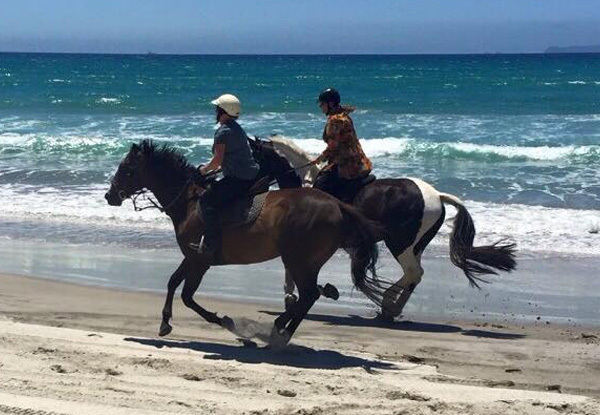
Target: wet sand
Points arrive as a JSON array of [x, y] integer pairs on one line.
[[70, 349]]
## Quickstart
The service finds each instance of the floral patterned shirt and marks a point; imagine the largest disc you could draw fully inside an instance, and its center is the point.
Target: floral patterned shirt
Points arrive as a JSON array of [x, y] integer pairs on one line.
[[343, 148]]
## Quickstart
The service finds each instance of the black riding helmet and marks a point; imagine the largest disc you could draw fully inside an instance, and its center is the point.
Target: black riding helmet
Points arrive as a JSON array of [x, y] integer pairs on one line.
[[330, 96]]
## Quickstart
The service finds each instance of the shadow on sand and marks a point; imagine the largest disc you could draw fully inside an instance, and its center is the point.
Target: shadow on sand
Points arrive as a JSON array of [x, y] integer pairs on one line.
[[405, 325], [291, 355]]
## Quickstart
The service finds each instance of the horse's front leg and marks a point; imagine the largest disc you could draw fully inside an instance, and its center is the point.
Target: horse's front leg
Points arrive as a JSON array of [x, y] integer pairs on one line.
[[167, 312], [192, 282], [288, 289]]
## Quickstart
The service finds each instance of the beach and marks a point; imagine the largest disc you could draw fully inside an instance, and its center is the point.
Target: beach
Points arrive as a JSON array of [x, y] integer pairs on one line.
[[74, 349], [82, 283]]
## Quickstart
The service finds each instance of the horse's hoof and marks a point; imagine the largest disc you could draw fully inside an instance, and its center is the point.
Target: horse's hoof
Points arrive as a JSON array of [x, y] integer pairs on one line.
[[385, 316], [290, 300], [279, 338], [330, 291], [165, 329], [228, 323]]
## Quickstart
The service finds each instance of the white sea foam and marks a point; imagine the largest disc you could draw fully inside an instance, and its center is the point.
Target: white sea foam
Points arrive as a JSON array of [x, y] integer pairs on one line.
[[535, 229], [381, 147], [532, 153], [94, 135], [83, 205], [105, 100], [12, 139]]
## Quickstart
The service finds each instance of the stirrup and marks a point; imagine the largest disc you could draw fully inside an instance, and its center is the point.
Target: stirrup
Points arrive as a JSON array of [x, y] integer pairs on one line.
[[197, 247], [200, 248]]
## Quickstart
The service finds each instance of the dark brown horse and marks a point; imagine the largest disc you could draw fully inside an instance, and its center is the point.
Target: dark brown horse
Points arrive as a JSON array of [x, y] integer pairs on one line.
[[412, 212], [302, 226]]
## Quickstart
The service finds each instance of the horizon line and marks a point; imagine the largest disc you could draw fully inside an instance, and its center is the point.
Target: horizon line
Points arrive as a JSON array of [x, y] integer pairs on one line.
[[150, 53]]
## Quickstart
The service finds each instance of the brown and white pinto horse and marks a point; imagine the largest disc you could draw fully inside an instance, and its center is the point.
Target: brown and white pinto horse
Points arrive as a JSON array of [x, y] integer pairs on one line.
[[304, 227], [412, 212]]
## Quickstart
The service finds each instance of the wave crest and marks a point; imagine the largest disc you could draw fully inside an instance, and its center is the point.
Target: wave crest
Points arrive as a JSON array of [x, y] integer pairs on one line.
[[415, 150]]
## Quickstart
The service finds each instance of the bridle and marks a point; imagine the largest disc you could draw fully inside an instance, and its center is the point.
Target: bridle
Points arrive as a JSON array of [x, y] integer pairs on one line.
[[155, 205], [144, 192]]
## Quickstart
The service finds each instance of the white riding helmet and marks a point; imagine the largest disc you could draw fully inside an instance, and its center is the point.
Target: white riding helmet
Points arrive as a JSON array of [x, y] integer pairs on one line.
[[229, 103]]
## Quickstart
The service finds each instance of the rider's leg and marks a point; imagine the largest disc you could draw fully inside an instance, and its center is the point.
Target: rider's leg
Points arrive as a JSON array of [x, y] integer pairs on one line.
[[212, 201], [328, 181], [209, 206]]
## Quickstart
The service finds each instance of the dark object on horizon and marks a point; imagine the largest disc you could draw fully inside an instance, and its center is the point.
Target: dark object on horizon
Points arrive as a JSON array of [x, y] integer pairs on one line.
[[574, 49]]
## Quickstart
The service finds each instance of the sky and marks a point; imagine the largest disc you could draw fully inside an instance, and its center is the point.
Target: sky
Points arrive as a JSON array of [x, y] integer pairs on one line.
[[297, 27]]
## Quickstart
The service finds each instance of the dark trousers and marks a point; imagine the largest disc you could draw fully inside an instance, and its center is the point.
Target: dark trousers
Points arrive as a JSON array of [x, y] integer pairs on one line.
[[330, 182], [213, 200]]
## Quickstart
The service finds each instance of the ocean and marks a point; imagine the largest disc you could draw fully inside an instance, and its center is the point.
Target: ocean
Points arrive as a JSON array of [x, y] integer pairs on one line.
[[517, 137]]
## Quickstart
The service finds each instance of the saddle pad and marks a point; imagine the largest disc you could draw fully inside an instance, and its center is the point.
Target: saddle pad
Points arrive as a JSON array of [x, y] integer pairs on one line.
[[242, 211]]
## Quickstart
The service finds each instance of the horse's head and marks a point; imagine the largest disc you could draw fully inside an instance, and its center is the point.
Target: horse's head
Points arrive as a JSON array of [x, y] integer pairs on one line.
[[296, 156], [148, 166], [260, 148], [128, 179], [273, 164]]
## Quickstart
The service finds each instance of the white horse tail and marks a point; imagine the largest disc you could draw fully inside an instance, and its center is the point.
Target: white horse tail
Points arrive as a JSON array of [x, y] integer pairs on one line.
[[475, 260]]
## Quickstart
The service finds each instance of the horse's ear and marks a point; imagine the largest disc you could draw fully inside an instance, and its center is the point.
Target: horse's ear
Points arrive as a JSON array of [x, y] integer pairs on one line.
[[135, 148]]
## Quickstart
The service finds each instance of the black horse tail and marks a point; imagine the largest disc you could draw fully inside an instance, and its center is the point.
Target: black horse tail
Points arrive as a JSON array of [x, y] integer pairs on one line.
[[476, 260], [360, 242]]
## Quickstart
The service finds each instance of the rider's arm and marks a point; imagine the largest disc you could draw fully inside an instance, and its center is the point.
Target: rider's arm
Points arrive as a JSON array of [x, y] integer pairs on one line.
[[333, 130], [215, 162]]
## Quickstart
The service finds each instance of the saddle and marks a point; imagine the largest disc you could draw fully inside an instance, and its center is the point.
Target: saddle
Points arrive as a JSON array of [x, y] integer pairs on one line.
[[350, 188], [242, 211]]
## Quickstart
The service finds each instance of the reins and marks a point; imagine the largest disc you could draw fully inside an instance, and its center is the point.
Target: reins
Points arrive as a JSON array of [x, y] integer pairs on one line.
[[259, 143], [276, 178], [163, 209], [155, 205]]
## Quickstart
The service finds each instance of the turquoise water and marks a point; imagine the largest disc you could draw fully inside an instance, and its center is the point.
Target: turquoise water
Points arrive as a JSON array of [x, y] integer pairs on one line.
[[516, 136]]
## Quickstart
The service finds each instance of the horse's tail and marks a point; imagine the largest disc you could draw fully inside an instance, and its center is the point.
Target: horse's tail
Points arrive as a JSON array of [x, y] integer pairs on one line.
[[476, 260], [360, 242]]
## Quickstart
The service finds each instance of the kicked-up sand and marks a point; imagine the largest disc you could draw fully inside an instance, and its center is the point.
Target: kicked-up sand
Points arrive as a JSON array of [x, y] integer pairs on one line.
[[69, 349]]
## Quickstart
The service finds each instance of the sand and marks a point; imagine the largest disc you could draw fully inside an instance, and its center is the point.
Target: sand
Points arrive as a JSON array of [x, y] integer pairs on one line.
[[69, 349]]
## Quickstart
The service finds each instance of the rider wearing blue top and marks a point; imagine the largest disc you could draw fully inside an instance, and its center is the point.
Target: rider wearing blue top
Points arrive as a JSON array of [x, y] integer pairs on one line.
[[231, 153]]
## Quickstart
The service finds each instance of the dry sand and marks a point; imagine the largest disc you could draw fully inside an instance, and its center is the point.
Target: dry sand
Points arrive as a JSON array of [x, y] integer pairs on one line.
[[68, 349]]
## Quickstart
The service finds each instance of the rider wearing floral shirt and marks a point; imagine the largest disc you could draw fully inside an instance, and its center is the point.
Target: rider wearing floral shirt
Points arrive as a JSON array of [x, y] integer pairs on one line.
[[346, 160]]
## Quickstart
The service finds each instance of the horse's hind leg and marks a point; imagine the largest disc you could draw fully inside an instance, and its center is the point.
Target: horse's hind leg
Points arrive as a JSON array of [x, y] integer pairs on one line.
[[289, 298], [396, 296], [409, 258], [328, 290], [287, 323]]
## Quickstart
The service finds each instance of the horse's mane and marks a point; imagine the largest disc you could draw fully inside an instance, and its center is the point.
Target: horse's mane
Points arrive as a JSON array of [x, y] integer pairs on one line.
[[290, 145], [165, 157], [296, 156]]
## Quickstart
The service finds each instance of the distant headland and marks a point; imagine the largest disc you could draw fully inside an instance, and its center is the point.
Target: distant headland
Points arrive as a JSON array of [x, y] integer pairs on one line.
[[574, 49]]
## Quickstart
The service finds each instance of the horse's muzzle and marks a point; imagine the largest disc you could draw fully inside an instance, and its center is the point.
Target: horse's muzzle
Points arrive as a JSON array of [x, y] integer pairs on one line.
[[113, 198]]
